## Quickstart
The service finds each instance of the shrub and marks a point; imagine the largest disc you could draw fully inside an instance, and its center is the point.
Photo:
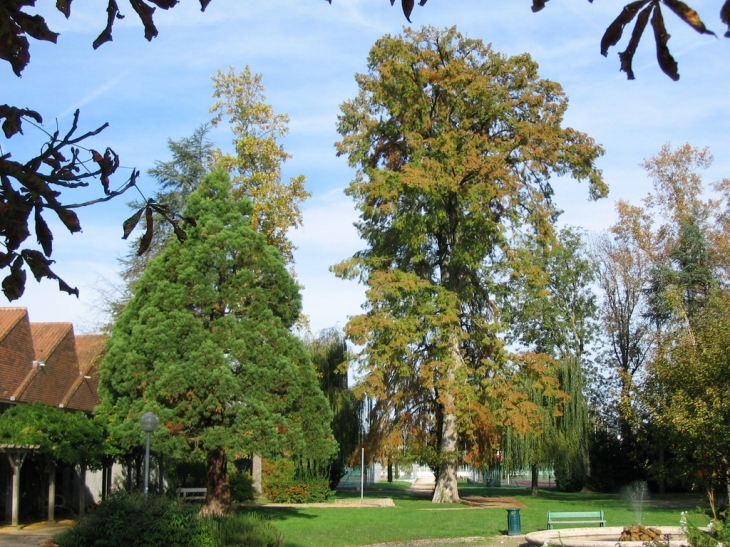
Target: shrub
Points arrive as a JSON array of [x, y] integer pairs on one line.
[[247, 530], [241, 484], [127, 519], [284, 482], [719, 533], [313, 490], [135, 520]]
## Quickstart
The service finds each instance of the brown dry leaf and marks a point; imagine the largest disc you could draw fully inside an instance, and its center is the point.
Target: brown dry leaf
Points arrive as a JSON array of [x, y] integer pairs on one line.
[[69, 219], [145, 13], [179, 233], [35, 26], [13, 122], [725, 16], [407, 8], [627, 56], [616, 28], [144, 243], [164, 4], [14, 284], [688, 15], [666, 61], [13, 45], [131, 223], [112, 13], [43, 233], [64, 6], [108, 164], [40, 267]]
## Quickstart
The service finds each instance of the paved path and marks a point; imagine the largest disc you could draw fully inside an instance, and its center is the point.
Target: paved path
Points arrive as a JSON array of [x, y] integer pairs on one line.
[[32, 535], [422, 486]]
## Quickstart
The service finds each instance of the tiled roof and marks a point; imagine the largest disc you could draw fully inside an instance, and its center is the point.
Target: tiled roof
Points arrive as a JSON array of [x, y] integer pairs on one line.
[[9, 317], [16, 350], [82, 395], [46, 363], [55, 348], [47, 336], [89, 348]]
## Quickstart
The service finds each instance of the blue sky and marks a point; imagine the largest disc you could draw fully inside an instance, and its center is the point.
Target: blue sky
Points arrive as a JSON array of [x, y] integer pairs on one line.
[[308, 52]]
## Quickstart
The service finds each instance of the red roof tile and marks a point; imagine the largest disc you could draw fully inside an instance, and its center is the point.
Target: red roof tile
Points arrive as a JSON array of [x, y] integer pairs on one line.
[[83, 395], [47, 337], [9, 317], [55, 347], [16, 350], [46, 363]]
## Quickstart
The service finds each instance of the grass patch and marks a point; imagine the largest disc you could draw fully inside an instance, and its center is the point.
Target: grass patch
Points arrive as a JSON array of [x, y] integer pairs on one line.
[[415, 518]]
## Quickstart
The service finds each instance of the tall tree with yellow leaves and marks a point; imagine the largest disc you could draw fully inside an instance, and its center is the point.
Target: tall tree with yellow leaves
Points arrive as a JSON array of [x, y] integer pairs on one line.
[[255, 165], [455, 146]]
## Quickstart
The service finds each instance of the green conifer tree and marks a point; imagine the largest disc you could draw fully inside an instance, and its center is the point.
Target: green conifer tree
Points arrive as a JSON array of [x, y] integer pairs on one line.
[[205, 343]]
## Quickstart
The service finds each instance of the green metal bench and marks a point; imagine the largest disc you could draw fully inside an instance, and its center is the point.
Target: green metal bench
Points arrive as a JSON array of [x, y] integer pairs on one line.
[[575, 517]]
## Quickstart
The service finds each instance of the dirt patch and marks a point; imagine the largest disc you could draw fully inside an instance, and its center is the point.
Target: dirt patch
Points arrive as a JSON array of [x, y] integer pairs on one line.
[[497, 541], [478, 501], [337, 504]]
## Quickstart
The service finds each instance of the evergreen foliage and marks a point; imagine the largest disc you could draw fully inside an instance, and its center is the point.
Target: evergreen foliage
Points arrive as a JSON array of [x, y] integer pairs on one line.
[[205, 344]]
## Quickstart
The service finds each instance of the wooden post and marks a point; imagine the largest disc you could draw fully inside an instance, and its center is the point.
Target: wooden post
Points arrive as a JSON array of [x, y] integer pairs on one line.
[[16, 460], [82, 489], [52, 492], [256, 472]]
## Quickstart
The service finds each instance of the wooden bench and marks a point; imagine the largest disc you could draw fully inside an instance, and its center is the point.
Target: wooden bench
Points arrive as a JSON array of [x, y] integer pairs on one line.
[[191, 494], [575, 517]]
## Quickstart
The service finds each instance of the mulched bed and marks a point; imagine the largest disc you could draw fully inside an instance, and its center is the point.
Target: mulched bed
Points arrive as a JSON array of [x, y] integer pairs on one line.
[[479, 501]]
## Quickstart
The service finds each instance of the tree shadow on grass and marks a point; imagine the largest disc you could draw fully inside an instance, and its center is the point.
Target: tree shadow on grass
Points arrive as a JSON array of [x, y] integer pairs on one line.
[[276, 513], [385, 490]]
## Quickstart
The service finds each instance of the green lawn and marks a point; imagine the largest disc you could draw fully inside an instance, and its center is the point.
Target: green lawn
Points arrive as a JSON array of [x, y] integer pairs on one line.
[[418, 518]]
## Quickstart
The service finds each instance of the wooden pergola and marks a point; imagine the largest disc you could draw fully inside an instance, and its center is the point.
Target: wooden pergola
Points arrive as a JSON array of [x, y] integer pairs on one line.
[[16, 456]]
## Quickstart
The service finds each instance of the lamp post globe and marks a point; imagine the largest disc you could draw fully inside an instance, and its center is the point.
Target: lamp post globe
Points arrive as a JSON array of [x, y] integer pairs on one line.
[[148, 422]]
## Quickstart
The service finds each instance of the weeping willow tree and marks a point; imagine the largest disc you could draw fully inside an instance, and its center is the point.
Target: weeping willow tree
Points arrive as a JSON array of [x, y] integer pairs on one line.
[[560, 324], [329, 355], [572, 434]]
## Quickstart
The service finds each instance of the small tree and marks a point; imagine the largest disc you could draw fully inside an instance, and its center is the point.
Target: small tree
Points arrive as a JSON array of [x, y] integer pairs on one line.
[[329, 355], [554, 313], [205, 343]]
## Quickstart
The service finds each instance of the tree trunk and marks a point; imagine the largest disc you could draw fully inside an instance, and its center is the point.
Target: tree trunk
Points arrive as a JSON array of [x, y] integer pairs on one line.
[[535, 478], [82, 489], [447, 489], [625, 410], [138, 461], [51, 491], [662, 476], [160, 474], [128, 479], [390, 470], [218, 496]]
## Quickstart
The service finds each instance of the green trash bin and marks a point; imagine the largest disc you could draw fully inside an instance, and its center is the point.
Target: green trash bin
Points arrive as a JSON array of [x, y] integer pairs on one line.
[[514, 526]]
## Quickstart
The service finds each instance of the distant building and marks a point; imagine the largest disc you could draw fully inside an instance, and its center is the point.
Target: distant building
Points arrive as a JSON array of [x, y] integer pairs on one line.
[[47, 363]]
